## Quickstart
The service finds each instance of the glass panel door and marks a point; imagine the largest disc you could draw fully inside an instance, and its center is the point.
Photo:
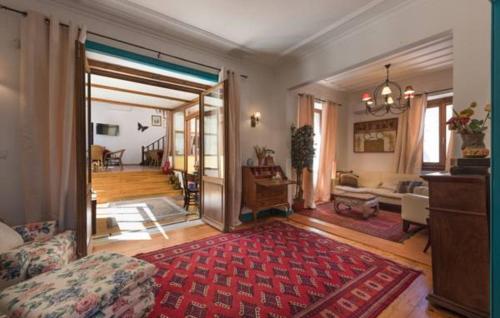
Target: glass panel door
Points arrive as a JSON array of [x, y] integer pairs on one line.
[[213, 140]]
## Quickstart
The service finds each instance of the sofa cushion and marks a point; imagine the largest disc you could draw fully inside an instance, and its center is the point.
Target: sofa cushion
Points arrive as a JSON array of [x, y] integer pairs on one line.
[[348, 179], [10, 238], [351, 189], [386, 193]]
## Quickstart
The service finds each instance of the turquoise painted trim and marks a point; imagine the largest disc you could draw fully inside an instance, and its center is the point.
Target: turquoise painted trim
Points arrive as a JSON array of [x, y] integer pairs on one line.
[[495, 162], [248, 217], [147, 60]]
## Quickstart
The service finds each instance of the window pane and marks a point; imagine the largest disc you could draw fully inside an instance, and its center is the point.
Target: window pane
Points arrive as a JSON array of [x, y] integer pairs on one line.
[[449, 114], [431, 135]]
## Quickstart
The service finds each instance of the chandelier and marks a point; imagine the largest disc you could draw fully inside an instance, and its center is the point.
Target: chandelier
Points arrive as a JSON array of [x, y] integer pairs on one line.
[[388, 98]]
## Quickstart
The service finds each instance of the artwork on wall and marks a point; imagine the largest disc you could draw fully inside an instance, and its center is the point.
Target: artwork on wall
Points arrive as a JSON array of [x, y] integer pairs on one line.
[[141, 127], [376, 135], [156, 120]]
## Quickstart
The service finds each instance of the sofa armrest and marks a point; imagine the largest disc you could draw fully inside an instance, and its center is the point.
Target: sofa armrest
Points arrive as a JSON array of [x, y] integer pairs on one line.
[[421, 190], [36, 231], [414, 208]]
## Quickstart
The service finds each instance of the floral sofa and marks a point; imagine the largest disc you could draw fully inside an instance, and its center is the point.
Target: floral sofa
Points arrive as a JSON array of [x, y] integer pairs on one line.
[[43, 251], [100, 285]]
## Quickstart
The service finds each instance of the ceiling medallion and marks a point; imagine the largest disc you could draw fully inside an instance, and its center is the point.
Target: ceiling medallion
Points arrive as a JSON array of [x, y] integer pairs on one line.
[[388, 98]]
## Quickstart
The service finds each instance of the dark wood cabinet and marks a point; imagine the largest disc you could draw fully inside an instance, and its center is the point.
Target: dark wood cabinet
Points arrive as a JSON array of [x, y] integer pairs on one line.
[[459, 228], [264, 187]]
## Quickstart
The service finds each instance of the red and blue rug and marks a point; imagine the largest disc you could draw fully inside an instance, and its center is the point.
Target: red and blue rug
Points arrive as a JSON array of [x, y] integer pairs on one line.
[[274, 270]]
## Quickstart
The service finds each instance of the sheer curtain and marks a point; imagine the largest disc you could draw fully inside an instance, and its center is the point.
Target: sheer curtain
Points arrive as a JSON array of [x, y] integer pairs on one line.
[[47, 104], [305, 116], [409, 141], [167, 148], [327, 164], [233, 146]]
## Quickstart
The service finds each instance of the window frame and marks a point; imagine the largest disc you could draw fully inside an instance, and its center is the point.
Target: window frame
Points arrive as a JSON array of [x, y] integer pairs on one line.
[[441, 165]]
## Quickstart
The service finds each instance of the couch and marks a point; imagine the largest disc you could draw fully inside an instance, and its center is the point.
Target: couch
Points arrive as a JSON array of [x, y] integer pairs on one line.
[[381, 184], [43, 250]]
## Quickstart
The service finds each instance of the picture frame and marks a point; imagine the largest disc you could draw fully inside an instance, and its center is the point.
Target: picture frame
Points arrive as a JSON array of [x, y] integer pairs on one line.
[[376, 136], [156, 120]]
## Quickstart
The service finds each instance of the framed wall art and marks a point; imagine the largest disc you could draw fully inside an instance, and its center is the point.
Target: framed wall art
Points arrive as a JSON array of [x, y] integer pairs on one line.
[[375, 136], [155, 120]]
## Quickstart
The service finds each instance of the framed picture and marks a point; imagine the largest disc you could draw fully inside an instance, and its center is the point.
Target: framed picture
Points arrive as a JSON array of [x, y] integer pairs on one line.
[[375, 136], [156, 120]]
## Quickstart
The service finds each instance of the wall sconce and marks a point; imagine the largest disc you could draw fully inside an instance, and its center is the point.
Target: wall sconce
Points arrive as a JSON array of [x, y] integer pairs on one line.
[[254, 119]]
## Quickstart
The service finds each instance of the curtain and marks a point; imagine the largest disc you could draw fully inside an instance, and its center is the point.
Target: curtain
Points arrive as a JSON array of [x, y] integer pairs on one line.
[[47, 114], [409, 141], [167, 148], [327, 164], [305, 115], [233, 146]]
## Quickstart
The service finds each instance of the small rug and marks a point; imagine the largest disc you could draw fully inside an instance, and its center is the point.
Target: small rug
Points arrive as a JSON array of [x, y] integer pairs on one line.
[[138, 214], [274, 270], [386, 225]]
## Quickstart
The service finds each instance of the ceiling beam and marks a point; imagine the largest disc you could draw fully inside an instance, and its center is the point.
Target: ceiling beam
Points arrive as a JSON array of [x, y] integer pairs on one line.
[[142, 80], [94, 64], [125, 90], [121, 103]]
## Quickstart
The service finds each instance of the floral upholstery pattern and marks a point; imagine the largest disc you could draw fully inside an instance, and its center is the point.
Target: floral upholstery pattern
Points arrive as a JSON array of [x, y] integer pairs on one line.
[[36, 231], [99, 285], [41, 253]]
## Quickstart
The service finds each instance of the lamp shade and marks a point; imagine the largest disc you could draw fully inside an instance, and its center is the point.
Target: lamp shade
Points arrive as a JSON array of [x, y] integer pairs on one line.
[[409, 90], [386, 90], [390, 101], [366, 97]]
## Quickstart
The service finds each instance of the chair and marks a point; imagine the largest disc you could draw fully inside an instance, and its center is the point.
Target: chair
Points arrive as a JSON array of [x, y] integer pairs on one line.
[[191, 193], [43, 251], [415, 209], [115, 157], [97, 155]]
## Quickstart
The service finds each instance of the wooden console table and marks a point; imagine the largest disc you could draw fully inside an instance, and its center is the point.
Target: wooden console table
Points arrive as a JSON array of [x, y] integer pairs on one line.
[[459, 214]]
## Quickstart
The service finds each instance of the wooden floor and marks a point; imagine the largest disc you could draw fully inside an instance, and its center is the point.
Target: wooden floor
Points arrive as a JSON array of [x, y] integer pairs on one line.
[[411, 303]]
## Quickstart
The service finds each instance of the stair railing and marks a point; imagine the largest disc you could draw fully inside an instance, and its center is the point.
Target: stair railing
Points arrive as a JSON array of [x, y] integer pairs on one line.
[[158, 144]]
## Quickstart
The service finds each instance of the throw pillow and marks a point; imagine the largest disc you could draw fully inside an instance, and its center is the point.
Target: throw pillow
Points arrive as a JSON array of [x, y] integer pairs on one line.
[[402, 187], [349, 180], [10, 238], [413, 185]]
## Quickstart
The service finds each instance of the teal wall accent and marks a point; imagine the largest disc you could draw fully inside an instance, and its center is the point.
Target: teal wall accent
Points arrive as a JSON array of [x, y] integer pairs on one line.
[[495, 161], [147, 60]]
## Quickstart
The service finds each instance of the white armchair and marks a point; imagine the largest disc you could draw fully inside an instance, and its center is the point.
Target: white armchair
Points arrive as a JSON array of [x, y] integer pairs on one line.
[[415, 208]]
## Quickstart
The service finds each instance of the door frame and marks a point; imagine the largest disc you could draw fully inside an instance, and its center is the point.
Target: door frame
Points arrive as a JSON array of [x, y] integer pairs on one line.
[[225, 227]]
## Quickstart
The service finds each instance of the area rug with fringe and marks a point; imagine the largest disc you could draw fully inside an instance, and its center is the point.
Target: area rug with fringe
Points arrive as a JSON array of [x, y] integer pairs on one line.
[[274, 270], [387, 225]]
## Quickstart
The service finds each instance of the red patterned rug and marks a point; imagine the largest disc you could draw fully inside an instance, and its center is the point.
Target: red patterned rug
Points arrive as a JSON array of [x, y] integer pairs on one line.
[[274, 270], [386, 225]]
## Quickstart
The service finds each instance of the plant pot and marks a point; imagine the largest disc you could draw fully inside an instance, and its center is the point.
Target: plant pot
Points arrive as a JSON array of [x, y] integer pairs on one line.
[[473, 146], [298, 205]]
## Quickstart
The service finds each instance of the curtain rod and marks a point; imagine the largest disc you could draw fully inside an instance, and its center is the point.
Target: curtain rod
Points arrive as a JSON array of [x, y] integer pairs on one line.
[[320, 100], [218, 69]]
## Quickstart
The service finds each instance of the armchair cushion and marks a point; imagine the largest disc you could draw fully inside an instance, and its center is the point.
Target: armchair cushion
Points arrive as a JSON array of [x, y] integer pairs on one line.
[[36, 231], [10, 238], [414, 208]]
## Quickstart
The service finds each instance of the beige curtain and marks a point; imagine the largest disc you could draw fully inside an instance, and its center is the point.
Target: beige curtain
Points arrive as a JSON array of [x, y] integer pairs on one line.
[[327, 164], [305, 115], [47, 115], [167, 148], [409, 141], [233, 146]]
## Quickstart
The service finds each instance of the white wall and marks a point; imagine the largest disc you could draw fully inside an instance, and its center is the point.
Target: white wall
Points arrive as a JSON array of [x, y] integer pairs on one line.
[[256, 91], [415, 21], [129, 137], [384, 161]]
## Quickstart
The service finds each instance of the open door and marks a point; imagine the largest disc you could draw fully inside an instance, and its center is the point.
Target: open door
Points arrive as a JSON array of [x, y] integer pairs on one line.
[[214, 132]]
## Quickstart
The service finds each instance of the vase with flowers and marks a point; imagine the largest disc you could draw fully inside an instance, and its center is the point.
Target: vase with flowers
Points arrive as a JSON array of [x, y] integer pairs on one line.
[[471, 130]]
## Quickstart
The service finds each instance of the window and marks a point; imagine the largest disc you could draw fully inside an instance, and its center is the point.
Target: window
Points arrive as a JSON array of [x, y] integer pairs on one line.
[[436, 134], [318, 107]]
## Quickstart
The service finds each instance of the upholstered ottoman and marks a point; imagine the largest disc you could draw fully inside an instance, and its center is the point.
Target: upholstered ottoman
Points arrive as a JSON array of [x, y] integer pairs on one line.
[[99, 285]]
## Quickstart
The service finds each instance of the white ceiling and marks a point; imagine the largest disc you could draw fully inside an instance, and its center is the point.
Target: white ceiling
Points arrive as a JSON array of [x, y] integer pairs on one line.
[[424, 58], [262, 28]]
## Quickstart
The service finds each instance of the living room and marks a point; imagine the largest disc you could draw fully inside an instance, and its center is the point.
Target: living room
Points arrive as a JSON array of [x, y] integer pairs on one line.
[[275, 266]]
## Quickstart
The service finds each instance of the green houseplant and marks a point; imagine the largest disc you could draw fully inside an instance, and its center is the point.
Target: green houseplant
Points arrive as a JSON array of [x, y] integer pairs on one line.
[[302, 154]]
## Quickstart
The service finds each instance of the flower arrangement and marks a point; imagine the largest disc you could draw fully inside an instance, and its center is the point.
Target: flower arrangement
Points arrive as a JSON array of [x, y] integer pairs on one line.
[[262, 153], [463, 123]]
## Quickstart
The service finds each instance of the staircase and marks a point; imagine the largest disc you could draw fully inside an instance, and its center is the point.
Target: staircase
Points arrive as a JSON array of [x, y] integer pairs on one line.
[[157, 145], [125, 185]]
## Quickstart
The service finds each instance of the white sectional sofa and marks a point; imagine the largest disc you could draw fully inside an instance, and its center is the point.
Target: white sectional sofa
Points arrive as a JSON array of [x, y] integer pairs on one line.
[[381, 184]]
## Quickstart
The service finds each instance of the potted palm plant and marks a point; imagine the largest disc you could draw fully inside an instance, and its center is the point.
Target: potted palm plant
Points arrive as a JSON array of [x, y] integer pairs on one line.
[[302, 154]]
